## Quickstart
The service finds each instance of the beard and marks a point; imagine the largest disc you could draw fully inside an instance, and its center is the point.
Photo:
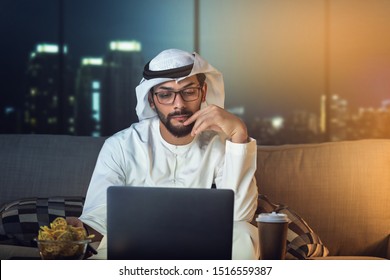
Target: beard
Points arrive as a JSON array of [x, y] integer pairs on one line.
[[176, 130]]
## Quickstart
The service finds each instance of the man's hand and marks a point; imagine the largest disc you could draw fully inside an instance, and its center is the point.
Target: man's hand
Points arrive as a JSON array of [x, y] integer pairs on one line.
[[215, 118], [74, 221]]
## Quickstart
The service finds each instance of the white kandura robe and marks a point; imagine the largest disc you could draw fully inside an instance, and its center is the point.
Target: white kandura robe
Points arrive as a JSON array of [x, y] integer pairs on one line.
[[139, 156]]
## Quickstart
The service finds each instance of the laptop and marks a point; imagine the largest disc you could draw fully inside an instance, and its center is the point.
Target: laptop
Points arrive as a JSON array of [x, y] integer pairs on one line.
[[158, 223]]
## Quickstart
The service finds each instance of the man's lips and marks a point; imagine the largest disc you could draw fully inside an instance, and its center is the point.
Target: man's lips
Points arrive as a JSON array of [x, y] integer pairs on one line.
[[180, 118]]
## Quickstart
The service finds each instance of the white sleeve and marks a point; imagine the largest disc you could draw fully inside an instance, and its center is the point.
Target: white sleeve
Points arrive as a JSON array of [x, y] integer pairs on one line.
[[238, 174], [108, 172]]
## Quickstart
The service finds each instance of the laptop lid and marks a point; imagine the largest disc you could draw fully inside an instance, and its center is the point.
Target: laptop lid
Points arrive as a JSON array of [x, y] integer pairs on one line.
[[169, 223]]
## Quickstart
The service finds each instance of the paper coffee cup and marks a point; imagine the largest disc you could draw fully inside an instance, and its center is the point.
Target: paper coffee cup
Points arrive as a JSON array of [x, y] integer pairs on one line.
[[272, 229], [272, 218]]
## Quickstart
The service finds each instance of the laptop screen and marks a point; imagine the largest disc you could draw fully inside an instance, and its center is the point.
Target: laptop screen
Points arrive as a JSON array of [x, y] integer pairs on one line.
[[169, 223]]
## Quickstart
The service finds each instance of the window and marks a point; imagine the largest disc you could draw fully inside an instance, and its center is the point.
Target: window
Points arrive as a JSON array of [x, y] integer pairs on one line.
[[295, 71]]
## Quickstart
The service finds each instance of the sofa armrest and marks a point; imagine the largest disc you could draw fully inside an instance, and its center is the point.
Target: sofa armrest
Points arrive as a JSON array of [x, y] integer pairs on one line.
[[388, 247]]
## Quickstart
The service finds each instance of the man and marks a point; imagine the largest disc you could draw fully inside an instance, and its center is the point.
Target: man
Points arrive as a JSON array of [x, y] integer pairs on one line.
[[184, 138]]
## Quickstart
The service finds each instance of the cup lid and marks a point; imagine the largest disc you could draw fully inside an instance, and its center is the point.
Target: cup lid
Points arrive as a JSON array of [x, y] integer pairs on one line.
[[272, 218]]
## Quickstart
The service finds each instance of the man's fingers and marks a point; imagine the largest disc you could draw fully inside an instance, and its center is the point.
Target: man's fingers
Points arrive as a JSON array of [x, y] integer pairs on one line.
[[206, 122], [213, 118], [74, 221], [209, 109], [192, 118]]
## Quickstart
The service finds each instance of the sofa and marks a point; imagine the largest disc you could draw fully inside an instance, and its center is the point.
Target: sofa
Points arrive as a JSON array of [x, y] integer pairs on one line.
[[340, 191]]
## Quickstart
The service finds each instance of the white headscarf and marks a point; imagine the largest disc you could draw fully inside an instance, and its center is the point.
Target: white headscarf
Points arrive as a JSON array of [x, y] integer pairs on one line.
[[170, 60]]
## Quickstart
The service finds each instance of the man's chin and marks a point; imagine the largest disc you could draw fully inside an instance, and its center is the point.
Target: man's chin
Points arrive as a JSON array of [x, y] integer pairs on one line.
[[180, 131]]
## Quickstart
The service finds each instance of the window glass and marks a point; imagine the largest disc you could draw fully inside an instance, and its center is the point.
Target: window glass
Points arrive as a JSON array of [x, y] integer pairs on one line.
[[295, 71]]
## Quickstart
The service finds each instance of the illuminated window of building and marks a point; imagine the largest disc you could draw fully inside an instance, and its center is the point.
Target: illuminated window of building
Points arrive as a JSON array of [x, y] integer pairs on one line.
[[95, 85], [96, 105]]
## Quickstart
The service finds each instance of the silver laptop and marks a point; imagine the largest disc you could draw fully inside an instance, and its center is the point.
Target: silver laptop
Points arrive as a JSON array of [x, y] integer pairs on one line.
[[145, 223]]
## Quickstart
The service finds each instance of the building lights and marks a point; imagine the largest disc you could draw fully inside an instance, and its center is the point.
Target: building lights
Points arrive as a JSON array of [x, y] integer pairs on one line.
[[238, 111], [92, 61], [48, 48], [52, 120], [323, 114], [95, 85], [96, 106], [9, 110], [277, 122], [125, 46]]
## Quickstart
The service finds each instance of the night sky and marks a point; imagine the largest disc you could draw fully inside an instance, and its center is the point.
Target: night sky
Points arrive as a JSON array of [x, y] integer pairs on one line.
[[269, 51]]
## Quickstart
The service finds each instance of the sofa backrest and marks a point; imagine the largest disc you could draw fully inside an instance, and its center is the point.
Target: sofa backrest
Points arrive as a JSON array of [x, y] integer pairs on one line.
[[46, 165], [342, 189]]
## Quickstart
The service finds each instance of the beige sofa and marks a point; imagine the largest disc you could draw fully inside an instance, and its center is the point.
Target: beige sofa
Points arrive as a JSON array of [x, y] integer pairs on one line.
[[341, 189]]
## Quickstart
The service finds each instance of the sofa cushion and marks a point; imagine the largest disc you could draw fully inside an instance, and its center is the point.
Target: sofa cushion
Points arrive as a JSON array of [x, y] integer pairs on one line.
[[302, 241], [20, 220]]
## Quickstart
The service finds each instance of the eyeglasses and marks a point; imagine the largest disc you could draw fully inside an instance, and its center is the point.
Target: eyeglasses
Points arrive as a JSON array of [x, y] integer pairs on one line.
[[167, 97]]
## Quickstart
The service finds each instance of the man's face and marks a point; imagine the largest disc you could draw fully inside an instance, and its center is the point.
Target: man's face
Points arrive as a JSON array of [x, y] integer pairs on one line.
[[173, 115]]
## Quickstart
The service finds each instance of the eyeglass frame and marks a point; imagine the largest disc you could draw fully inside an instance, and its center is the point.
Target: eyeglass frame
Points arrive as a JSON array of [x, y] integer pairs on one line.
[[176, 92]]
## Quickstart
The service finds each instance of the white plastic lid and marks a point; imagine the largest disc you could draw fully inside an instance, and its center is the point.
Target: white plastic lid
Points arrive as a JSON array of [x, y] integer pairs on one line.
[[272, 218]]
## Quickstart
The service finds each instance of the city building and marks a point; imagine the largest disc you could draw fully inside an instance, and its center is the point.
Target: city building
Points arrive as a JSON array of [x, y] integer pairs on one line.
[[89, 81], [49, 100], [123, 71], [338, 116]]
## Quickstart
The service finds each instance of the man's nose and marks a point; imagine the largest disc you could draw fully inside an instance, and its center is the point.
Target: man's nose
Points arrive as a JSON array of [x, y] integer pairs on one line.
[[178, 102]]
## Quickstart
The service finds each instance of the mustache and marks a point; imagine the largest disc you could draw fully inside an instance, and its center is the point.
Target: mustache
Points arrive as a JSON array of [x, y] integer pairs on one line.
[[180, 112]]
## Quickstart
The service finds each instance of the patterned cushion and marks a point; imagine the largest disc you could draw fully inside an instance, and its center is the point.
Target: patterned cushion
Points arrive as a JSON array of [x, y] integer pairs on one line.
[[302, 241], [20, 220]]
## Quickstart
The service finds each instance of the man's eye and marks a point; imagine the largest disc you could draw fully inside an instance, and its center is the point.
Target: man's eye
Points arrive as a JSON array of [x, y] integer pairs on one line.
[[189, 91], [165, 95]]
